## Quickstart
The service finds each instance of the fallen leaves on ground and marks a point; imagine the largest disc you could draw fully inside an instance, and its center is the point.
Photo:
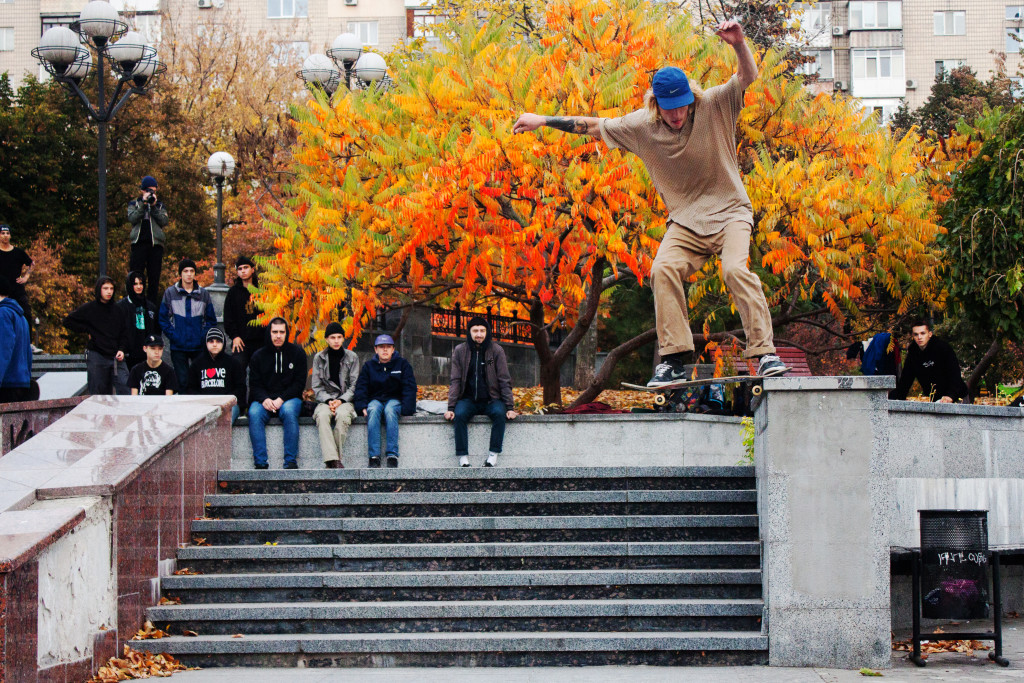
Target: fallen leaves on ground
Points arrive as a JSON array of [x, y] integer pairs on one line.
[[929, 647], [190, 634], [185, 571], [148, 632], [134, 665], [199, 541], [529, 400], [869, 672], [170, 601]]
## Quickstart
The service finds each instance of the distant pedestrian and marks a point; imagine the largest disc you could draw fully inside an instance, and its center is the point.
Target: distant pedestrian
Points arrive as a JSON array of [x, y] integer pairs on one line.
[[217, 373], [335, 371], [15, 351], [152, 377], [140, 317], [16, 266], [240, 313], [104, 322], [277, 377], [148, 217], [386, 388], [186, 313]]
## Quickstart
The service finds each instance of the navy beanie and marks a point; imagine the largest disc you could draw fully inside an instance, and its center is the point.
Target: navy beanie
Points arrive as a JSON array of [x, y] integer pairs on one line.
[[148, 181]]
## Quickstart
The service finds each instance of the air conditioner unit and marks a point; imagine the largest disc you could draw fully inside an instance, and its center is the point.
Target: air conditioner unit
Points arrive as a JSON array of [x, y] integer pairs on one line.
[[911, 84], [351, 2], [840, 85], [204, 4], [838, 30]]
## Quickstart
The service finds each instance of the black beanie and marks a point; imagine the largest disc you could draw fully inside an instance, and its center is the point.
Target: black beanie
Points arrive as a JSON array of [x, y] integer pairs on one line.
[[186, 263], [244, 261], [333, 328], [477, 320]]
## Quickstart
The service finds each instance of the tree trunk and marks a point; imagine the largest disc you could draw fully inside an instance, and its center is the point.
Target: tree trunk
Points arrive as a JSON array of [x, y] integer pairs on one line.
[[614, 356], [981, 368], [586, 354]]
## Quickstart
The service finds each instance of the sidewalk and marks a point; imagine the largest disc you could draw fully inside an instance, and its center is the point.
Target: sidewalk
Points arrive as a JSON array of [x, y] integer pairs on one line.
[[941, 667]]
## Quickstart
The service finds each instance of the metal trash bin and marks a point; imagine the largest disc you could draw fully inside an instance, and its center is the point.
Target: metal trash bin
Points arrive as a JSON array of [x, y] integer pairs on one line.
[[954, 563]]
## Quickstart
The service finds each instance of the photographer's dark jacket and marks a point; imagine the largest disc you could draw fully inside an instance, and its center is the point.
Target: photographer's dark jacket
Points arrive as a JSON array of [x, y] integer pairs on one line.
[[139, 212]]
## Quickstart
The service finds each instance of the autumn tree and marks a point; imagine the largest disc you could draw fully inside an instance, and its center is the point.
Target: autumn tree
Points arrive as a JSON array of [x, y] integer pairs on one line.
[[422, 194]]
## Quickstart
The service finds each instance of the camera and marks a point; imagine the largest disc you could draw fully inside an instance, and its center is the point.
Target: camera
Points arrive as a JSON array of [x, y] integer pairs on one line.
[[151, 198]]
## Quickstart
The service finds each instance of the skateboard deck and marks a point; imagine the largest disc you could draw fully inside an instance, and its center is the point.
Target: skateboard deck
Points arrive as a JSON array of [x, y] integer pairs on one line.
[[672, 397], [687, 383]]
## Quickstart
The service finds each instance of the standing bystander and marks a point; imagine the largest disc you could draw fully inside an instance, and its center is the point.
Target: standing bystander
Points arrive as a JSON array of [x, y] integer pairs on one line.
[[186, 313], [140, 320], [15, 354], [148, 217], [240, 313], [103, 321], [16, 266]]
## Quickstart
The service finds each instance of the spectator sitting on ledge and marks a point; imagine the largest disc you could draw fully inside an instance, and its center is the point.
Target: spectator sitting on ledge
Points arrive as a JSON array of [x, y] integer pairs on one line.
[[933, 363]]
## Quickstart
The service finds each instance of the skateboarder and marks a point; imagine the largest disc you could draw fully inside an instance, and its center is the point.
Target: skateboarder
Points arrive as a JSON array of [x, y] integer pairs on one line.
[[687, 141]]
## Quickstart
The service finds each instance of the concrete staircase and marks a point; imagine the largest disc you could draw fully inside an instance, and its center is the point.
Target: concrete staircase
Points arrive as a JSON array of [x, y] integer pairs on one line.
[[471, 567]]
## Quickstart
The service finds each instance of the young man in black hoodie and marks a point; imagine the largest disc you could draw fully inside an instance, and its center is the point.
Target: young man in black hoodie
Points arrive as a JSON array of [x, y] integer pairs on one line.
[[140, 318], [481, 385], [277, 376], [933, 363], [240, 313], [103, 321], [386, 387], [217, 373]]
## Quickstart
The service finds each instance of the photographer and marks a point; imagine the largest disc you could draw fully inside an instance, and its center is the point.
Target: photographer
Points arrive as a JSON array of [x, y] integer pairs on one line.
[[148, 217]]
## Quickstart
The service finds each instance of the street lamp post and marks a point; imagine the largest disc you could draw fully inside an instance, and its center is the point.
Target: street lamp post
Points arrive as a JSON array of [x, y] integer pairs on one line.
[[63, 53], [220, 165], [346, 57]]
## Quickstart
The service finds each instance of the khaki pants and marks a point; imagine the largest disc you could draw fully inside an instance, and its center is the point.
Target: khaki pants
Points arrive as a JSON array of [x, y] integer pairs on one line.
[[332, 441], [681, 254]]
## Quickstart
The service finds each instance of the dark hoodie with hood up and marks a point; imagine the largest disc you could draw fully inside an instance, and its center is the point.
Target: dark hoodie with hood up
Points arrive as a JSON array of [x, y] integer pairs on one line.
[[103, 322], [240, 313], [480, 371], [140, 319], [277, 372]]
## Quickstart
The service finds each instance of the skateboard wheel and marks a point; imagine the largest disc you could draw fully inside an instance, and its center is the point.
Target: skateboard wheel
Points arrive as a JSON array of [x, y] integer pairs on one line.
[[756, 391], [660, 400]]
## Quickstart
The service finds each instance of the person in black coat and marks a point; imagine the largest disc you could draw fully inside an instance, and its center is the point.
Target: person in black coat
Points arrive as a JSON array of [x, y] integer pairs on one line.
[[244, 335], [933, 363], [277, 376], [386, 387], [103, 321], [217, 373], [140, 317]]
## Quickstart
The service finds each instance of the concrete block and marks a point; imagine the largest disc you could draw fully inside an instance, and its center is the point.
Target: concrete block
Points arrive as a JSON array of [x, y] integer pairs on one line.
[[811, 637]]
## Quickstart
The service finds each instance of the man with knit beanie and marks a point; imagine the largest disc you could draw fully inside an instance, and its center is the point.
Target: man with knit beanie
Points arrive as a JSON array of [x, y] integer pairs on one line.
[[480, 385], [148, 217], [217, 373], [245, 336], [103, 321], [186, 313], [335, 371]]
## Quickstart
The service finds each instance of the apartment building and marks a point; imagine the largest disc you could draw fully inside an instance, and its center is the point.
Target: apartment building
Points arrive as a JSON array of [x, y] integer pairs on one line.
[[890, 51], [297, 26]]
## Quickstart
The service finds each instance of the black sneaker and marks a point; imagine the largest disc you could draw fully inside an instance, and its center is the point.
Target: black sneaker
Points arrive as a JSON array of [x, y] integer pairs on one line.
[[392, 461], [375, 461], [771, 366], [291, 466], [261, 467], [667, 372]]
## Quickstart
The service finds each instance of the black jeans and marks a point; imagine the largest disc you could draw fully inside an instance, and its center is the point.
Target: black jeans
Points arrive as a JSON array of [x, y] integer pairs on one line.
[[148, 258], [465, 409]]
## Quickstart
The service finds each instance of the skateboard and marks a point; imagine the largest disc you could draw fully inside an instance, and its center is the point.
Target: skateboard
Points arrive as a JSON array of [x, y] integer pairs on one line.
[[676, 396]]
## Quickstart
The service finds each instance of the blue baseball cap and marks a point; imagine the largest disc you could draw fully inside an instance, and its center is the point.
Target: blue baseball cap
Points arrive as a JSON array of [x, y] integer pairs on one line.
[[383, 339], [672, 88]]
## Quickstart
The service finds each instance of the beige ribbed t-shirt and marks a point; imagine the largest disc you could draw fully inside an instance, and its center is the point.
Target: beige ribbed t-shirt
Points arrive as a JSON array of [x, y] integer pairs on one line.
[[695, 168]]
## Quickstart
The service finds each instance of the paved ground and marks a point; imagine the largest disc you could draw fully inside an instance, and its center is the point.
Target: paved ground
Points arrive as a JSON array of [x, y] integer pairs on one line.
[[941, 667]]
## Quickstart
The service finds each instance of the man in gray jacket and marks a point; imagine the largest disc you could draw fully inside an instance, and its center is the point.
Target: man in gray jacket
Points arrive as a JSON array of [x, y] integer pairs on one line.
[[335, 370], [148, 217], [480, 385]]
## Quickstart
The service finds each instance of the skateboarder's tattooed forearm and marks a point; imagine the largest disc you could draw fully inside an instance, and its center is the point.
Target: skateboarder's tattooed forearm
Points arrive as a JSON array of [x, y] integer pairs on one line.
[[567, 124]]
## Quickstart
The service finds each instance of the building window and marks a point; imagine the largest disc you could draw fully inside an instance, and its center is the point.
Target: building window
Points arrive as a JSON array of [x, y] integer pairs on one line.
[[816, 19], [286, 9], [49, 22], [822, 64], [950, 23], [289, 53], [1014, 12], [366, 31], [1014, 36], [875, 15], [945, 66], [6, 39], [878, 64]]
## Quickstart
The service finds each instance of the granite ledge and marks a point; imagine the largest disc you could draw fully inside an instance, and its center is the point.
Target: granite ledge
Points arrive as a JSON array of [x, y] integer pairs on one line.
[[26, 533], [830, 383], [50, 404], [921, 407], [544, 419]]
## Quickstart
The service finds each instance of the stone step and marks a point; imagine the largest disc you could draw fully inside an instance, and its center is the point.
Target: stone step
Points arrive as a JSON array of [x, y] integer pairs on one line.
[[386, 480], [549, 648], [320, 530], [459, 616], [471, 556], [481, 503], [466, 585]]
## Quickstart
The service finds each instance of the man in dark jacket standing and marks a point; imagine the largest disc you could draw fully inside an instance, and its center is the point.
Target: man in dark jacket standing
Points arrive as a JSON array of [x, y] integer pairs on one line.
[[277, 376], [933, 363], [386, 387], [240, 313], [103, 321], [217, 373], [16, 266], [148, 218], [186, 313], [480, 385], [335, 371], [15, 349], [140, 318]]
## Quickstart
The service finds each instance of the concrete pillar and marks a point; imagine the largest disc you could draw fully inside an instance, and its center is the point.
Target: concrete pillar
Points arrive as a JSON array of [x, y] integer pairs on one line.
[[823, 502]]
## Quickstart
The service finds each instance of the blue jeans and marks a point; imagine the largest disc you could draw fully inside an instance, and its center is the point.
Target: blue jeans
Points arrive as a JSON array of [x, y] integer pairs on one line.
[[465, 409], [391, 410], [289, 414]]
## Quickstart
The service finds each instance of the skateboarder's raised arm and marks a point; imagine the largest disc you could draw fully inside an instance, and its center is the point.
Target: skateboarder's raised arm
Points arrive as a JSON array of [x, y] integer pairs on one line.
[[581, 125], [732, 33]]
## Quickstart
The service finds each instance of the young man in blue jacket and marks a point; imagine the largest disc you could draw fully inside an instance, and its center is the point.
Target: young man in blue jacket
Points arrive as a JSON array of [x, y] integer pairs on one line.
[[15, 350], [387, 386], [186, 313]]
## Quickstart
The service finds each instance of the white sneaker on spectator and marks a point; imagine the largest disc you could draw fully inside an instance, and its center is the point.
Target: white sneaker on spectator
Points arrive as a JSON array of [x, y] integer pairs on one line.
[[492, 460], [464, 461]]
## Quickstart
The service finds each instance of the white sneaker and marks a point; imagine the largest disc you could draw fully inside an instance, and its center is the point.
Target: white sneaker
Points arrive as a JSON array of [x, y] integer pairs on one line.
[[492, 460], [464, 461]]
